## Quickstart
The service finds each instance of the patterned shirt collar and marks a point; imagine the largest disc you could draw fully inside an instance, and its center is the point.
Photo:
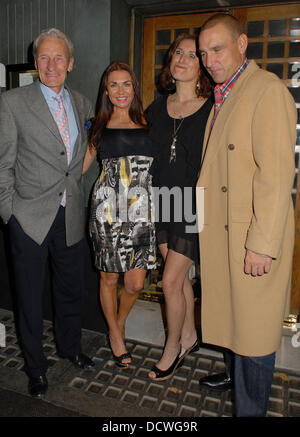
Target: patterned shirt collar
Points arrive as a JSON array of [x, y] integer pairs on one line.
[[222, 90], [50, 94], [225, 88]]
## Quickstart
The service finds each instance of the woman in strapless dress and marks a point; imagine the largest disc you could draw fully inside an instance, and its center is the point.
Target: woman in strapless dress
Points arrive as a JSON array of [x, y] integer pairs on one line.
[[121, 226]]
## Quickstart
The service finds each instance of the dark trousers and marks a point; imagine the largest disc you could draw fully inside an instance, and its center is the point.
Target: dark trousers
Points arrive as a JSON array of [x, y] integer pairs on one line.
[[252, 378], [30, 261]]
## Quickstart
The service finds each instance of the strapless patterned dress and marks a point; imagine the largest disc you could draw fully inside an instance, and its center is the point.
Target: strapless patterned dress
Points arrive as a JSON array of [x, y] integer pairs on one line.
[[121, 225]]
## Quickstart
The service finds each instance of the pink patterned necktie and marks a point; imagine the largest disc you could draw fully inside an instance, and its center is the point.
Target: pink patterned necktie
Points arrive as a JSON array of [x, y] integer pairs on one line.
[[61, 119]]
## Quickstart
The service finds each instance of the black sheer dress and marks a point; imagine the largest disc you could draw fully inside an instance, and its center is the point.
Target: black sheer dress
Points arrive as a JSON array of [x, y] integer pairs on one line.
[[179, 230]]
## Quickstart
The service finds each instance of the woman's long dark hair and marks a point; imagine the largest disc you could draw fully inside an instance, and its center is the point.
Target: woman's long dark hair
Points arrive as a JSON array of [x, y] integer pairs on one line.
[[105, 107], [166, 83]]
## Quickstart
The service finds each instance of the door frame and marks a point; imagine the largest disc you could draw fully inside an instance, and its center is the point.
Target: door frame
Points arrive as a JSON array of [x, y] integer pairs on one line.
[[136, 57]]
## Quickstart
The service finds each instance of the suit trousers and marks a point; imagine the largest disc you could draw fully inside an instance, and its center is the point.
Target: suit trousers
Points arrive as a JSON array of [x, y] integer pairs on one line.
[[67, 264], [252, 378]]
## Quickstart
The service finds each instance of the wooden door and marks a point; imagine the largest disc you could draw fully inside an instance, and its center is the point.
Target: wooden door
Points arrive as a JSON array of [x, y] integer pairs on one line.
[[274, 43], [159, 33]]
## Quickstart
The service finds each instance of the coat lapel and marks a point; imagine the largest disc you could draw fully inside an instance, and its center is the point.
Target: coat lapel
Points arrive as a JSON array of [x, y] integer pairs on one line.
[[212, 137], [38, 105], [78, 121]]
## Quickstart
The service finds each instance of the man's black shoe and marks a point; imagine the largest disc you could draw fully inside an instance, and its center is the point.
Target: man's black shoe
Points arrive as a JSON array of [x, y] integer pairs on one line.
[[218, 382], [37, 387], [81, 361]]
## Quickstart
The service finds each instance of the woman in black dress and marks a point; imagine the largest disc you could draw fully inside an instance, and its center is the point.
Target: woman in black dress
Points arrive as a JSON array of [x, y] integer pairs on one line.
[[122, 228], [177, 124]]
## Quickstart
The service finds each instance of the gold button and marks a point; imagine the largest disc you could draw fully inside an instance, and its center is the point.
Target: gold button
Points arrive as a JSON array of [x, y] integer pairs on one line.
[[231, 147]]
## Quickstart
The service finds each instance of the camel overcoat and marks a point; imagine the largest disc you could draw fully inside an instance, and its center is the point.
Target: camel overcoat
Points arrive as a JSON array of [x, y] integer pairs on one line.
[[247, 174]]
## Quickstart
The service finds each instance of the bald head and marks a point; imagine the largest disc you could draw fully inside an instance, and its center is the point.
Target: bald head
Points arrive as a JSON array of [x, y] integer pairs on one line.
[[232, 24], [222, 46]]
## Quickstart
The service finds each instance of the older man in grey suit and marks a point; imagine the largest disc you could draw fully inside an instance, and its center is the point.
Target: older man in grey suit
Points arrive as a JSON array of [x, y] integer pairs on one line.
[[42, 145]]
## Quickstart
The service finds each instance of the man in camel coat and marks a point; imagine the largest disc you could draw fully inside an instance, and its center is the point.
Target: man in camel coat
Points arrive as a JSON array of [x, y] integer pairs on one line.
[[247, 240]]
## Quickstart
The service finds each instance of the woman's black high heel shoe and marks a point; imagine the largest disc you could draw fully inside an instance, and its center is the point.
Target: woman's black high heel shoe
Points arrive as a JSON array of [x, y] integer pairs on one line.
[[119, 360], [162, 375]]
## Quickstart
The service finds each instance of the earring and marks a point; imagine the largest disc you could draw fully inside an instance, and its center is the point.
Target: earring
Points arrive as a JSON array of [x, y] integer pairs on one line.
[[173, 80], [198, 86]]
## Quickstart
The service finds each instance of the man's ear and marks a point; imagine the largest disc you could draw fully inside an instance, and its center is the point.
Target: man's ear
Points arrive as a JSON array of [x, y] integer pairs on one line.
[[70, 66], [242, 43]]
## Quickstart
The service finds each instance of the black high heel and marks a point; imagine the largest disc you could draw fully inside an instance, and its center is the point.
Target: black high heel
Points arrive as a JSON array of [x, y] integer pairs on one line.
[[119, 360], [162, 375]]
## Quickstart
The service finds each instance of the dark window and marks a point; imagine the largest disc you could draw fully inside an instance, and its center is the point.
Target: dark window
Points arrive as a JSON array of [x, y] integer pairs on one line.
[[160, 56], [277, 27], [296, 160], [163, 37], [255, 50], [295, 180], [276, 49], [255, 28], [276, 69], [294, 49], [295, 91]]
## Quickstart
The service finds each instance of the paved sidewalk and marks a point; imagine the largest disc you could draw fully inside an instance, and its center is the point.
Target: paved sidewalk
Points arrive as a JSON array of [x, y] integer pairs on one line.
[[107, 391]]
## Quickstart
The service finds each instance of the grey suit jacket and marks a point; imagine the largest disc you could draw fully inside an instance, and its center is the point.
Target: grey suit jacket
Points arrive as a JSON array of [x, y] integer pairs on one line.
[[33, 163]]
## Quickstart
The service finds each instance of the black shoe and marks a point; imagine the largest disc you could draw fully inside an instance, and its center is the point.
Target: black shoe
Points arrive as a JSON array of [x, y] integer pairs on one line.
[[218, 382], [37, 387], [119, 360], [162, 375], [81, 361]]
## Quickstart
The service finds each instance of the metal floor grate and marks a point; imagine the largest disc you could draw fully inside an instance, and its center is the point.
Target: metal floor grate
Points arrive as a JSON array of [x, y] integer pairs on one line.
[[178, 397]]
